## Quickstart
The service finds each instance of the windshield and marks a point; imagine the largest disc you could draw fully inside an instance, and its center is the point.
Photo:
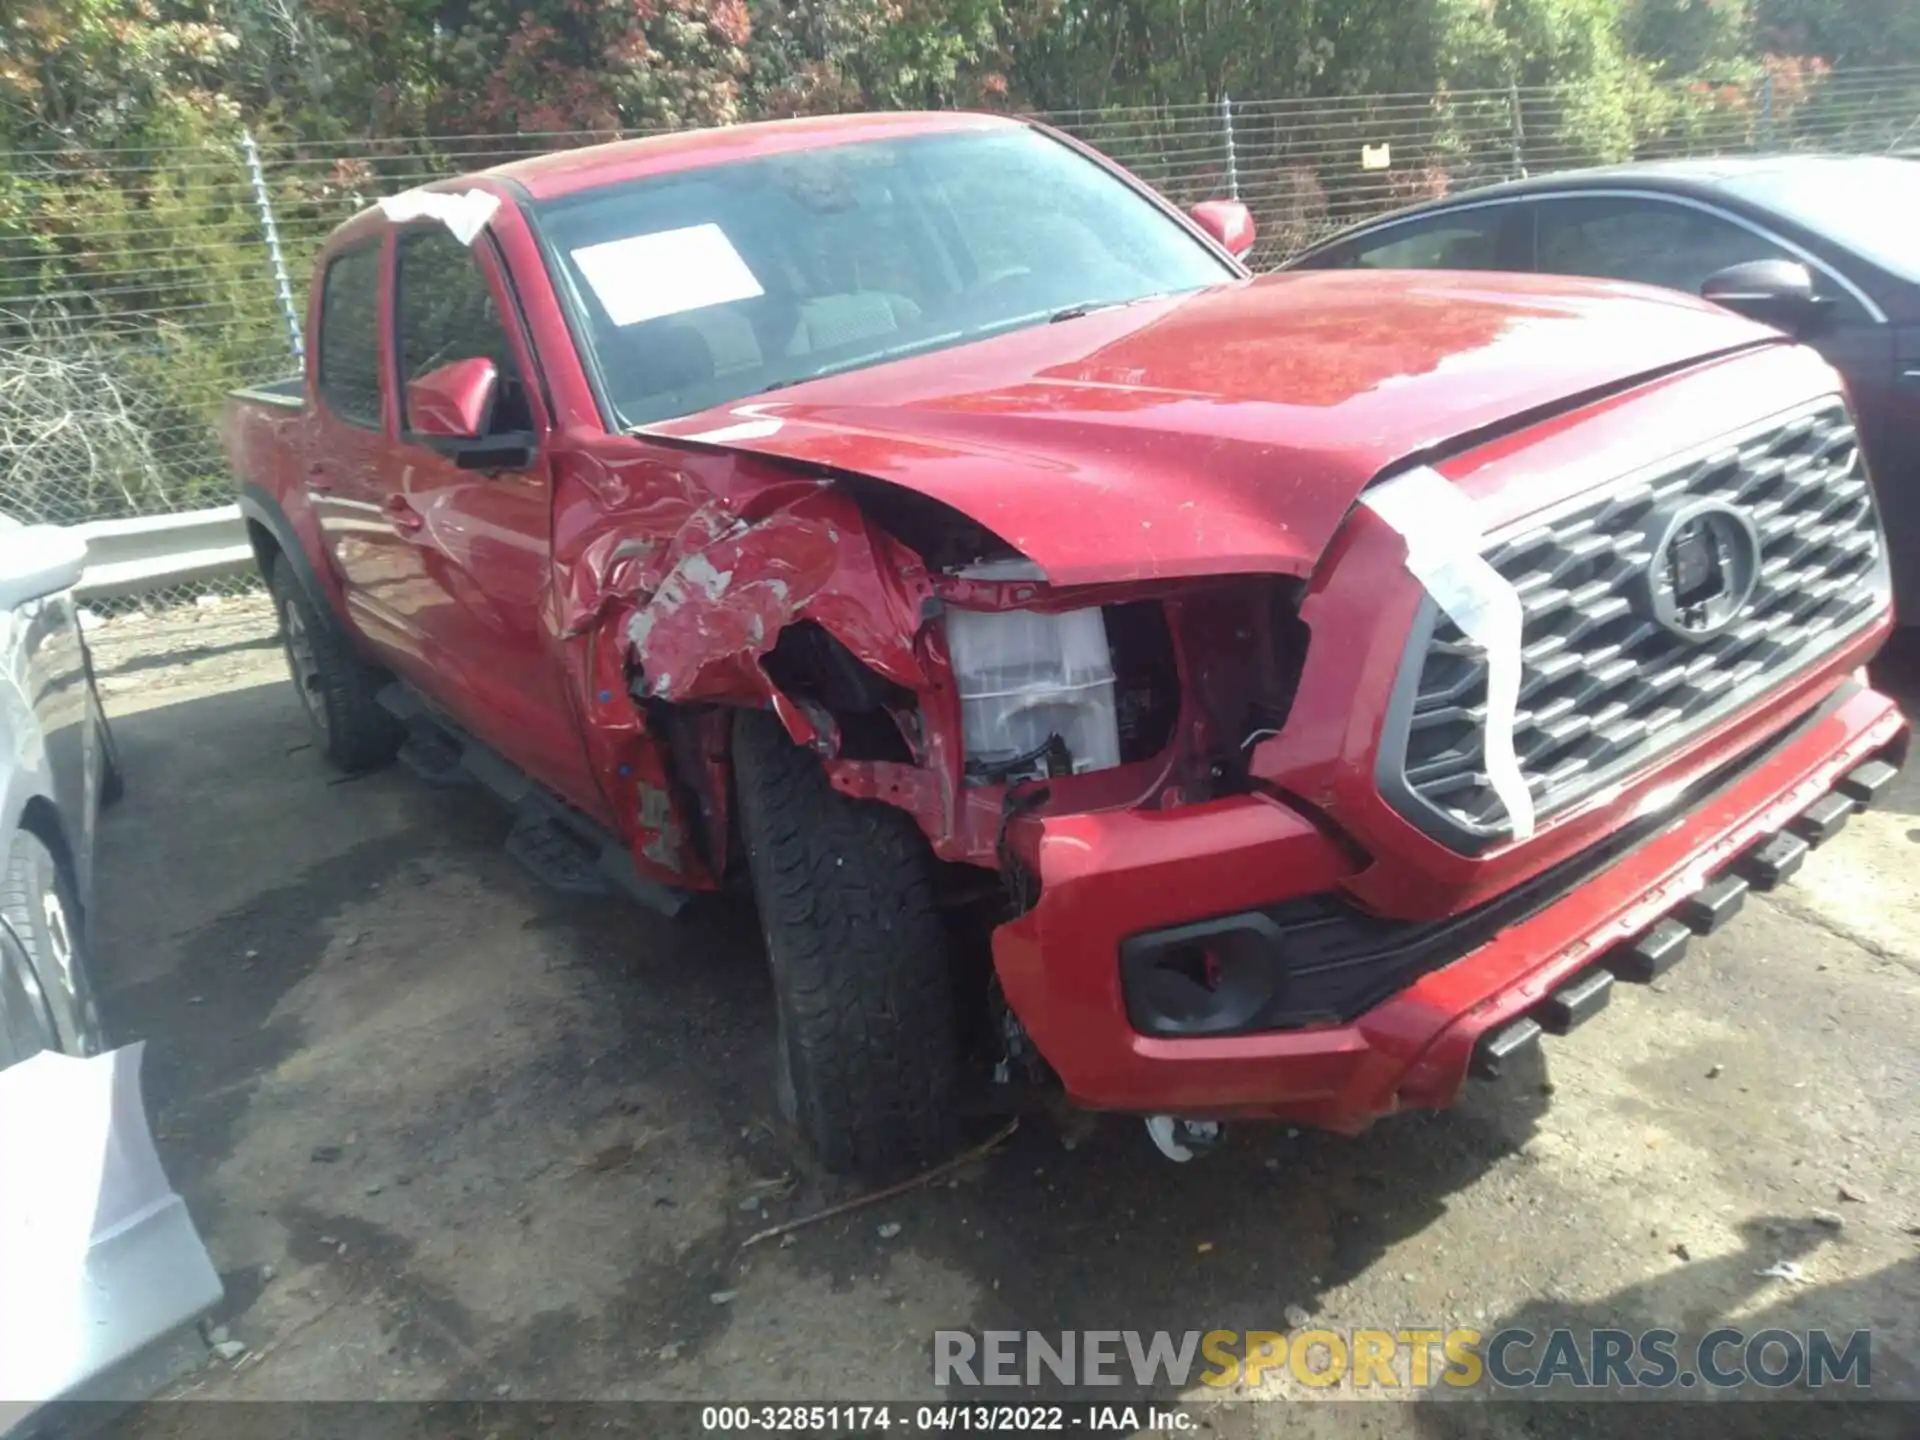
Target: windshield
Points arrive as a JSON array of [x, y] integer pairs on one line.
[[1826, 197], [693, 289]]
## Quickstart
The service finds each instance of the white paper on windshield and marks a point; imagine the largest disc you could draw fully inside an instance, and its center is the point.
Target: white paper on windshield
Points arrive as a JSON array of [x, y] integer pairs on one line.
[[646, 276]]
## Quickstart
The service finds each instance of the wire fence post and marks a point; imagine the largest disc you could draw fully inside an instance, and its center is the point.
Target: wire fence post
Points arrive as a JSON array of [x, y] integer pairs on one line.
[[270, 232], [1519, 126], [1766, 112], [1233, 161]]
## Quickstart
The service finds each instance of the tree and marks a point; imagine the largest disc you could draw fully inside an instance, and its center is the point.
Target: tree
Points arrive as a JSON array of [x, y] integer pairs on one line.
[[1841, 32], [103, 71]]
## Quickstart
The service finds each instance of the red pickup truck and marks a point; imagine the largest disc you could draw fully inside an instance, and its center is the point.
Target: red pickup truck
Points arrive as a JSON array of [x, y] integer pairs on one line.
[[1115, 676]]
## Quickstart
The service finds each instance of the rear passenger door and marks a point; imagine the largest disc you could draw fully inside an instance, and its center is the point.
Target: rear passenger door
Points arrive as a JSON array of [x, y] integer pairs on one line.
[[347, 451], [481, 540], [1644, 238], [1667, 242], [1680, 244]]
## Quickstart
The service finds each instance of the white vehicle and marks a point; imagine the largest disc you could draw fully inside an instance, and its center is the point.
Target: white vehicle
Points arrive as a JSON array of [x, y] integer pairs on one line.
[[57, 766], [99, 1260]]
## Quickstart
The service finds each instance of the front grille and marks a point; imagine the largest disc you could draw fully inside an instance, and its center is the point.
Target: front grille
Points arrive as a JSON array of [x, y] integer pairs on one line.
[[1610, 676]]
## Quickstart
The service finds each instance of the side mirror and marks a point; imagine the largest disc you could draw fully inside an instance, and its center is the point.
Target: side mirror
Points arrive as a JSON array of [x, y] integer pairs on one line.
[[37, 561], [1774, 292], [454, 401], [1227, 221]]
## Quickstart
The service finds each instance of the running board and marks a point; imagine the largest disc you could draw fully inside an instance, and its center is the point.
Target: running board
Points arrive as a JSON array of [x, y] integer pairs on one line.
[[556, 843]]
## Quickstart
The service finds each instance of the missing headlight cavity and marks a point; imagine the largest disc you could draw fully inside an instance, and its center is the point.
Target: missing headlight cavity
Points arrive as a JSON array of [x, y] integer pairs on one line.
[[1245, 646], [1146, 678], [1046, 694]]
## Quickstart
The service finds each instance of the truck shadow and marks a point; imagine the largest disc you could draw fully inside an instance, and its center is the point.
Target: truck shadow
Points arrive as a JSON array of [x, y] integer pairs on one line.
[[1896, 669], [236, 874], [1694, 1299], [1112, 1237]]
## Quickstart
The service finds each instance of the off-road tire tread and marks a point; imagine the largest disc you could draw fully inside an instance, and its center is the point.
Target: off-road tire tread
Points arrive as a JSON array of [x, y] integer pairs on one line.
[[860, 962], [360, 734], [29, 865]]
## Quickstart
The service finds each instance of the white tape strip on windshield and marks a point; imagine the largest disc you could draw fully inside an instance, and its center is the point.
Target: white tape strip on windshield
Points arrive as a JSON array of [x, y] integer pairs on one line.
[[1444, 539], [465, 213]]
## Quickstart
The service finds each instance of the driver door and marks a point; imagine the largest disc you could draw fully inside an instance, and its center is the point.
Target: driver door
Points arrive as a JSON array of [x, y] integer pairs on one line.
[[481, 538]]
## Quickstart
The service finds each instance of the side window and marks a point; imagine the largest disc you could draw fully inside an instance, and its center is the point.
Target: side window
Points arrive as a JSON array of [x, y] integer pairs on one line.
[[444, 311], [1462, 240], [1651, 241], [349, 358]]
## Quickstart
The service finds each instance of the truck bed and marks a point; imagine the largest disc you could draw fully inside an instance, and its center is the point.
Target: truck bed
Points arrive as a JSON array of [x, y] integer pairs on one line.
[[287, 393]]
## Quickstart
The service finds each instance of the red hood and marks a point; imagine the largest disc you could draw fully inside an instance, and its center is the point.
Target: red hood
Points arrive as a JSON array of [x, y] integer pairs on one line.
[[1222, 432]]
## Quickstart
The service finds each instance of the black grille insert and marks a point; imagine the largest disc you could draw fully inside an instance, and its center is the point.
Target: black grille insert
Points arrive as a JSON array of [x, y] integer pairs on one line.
[[1614, 673], [1320, 958]]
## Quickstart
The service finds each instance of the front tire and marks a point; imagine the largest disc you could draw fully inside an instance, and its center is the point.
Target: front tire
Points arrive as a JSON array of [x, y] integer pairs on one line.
[[337, 689], [867, 1045], [37, 898]]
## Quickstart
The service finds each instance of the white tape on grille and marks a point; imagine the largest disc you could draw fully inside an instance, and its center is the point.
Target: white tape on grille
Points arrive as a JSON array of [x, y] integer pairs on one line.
[[1443, 552]]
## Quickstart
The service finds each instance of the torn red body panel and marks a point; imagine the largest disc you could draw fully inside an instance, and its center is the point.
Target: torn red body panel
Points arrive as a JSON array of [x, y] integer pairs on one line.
[[701, 633], [676, 578]]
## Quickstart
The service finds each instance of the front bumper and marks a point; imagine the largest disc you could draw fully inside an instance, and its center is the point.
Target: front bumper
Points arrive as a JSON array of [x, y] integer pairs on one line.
[[1105, 877]]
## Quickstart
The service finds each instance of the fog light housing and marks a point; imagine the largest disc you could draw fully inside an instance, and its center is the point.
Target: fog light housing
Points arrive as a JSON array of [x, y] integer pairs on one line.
[[1209, 978]]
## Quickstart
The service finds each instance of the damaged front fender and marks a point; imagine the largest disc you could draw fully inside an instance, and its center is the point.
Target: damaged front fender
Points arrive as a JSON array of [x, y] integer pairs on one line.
[[702, 633], [675, 573]]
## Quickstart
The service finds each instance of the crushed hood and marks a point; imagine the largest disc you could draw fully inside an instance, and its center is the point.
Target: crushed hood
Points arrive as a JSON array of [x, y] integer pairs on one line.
[[1227, 431]]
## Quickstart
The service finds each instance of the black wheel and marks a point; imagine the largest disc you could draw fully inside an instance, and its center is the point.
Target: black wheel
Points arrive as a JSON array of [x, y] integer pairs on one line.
[[26, 1026], [866, 1042], [337, 688], [50, 973]]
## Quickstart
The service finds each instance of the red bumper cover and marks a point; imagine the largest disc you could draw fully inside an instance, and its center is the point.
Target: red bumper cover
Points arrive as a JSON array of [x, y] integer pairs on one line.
[[1109, 875]]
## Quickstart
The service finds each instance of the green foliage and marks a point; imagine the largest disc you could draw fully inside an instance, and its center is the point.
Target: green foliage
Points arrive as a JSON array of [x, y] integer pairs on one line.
[[1690, 37], [1841, 32], [131, 269]]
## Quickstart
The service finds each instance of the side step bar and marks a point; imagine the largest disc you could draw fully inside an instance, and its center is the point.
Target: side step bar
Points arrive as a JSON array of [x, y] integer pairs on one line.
[[555, 842]]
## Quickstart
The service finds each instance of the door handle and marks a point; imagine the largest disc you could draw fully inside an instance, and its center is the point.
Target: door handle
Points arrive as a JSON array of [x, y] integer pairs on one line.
[[401, 514], [318, 477]]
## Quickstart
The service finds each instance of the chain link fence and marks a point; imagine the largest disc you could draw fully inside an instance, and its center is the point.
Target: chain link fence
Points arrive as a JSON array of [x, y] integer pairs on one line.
[[138, 286]]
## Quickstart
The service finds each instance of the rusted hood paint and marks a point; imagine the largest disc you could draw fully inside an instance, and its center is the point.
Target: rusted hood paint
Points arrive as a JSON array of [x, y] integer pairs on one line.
[[1222, 432]]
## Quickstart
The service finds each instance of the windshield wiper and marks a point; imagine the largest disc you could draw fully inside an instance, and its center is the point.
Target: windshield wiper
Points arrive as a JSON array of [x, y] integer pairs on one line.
[[1088, 307], [1085, 307], [1016, 322], [861, 362]]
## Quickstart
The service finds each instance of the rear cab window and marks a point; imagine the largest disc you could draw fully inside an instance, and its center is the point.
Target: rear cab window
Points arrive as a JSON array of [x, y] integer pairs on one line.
[[347, 363]]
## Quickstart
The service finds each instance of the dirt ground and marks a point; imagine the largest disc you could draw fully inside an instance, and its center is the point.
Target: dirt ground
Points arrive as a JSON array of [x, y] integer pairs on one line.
[[451, 1135]]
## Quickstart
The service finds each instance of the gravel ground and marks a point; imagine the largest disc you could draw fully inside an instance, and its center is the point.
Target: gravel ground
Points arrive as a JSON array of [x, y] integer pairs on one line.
[[450, 1136]]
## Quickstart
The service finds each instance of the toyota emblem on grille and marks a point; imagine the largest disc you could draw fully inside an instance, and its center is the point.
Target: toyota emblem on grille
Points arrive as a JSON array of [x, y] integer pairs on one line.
[[1704, 563]]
